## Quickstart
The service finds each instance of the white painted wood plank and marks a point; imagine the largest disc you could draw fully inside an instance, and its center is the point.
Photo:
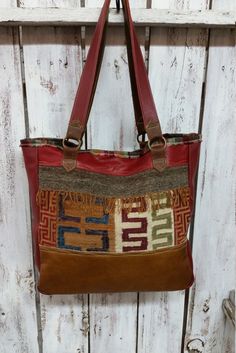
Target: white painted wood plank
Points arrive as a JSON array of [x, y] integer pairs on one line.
[[64, 321], [52, 69], [50, 3], [176, 72], [10, 4], [18, 323], [143, 17], [113, 317], [215, 229], [113, 322], [160, 322], [176, 66]]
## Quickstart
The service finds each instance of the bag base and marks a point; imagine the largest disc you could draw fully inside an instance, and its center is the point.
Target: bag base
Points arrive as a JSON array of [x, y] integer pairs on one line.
[[70, 272]]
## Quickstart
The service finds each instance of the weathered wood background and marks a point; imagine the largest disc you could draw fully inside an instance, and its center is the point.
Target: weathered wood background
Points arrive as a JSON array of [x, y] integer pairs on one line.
[[192, 73]]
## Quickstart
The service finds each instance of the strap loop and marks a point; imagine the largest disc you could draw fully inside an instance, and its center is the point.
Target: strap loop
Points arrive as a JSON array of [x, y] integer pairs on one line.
[[158, 150], [72, 144], [141, 139]]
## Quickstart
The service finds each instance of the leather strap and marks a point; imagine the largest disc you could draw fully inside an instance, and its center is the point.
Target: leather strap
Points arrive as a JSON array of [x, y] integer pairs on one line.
[[84, 86], [141, 90]]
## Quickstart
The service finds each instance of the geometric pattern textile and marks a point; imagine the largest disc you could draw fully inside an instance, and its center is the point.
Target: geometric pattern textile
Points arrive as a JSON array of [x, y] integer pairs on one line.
[[90, 223]]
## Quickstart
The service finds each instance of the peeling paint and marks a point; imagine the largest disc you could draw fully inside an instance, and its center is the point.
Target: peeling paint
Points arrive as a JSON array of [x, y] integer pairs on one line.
[[58, 330], [123, 57], [3, 318], [49, 85], [22, 334], [117, 69], [4, 272], [174, 62], [206, 306], [66, 63], [204, 174], [43, 316], [25, 279], [71, 317], [9, 146]]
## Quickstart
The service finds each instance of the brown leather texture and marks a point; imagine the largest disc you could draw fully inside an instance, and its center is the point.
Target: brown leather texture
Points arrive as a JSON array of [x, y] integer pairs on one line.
[[70, 272]]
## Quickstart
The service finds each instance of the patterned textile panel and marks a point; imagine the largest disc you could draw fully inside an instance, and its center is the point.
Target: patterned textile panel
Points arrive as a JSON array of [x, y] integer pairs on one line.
[[85, 211]]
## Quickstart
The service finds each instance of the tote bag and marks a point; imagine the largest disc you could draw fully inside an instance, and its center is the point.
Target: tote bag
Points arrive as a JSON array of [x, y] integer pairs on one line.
[[111, 221]]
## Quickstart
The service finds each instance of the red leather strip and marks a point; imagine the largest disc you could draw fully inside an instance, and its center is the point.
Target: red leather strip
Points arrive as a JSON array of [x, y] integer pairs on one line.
[[31, 164], [146, 100], [177, 155], [86, 87]]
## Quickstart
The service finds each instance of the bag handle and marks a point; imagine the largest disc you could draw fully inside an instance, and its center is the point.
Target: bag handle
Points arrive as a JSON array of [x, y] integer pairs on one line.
[[97, 59], [87, 86]]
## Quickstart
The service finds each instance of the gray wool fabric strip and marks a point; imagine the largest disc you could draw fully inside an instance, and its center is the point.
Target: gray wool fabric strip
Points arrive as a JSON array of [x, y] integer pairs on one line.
[[81, 181]]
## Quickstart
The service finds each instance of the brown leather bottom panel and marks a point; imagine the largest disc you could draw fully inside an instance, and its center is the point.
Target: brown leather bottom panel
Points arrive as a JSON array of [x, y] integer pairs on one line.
[[70, 272]]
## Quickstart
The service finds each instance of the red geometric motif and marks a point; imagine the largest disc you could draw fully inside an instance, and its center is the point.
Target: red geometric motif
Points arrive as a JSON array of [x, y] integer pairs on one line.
[[128, 233], [181, 217], [48, 217]]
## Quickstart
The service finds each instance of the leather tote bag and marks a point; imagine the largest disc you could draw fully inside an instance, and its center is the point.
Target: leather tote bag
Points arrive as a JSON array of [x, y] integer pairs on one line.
[[111, 221]]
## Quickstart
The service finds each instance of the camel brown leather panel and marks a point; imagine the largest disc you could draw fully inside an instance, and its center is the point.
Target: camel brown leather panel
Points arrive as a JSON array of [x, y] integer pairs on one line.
[[70, 272]]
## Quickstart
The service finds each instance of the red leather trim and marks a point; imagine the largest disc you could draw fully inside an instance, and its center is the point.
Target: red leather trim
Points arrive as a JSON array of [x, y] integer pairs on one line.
[[87, 85], [31, 164], [177, 155]]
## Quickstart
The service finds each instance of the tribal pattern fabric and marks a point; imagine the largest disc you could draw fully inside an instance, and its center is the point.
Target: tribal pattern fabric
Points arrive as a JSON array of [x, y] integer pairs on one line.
[[114, 217]]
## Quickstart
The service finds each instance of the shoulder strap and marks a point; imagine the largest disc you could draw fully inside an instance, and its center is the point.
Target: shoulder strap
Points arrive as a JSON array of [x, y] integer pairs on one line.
[[140, 83], [89, 77]]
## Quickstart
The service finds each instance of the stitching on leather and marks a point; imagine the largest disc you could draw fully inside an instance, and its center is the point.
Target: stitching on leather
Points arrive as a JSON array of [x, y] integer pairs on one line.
[[147, 253]]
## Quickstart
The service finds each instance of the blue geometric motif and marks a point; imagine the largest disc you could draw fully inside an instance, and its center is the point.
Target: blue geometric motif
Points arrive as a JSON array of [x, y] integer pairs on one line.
[[61, 238], [62, 229]]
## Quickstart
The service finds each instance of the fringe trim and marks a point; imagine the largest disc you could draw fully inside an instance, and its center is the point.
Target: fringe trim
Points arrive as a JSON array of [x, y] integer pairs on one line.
[[160, 200]]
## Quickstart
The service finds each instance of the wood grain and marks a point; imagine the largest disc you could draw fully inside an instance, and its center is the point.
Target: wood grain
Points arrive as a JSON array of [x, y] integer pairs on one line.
[[215, 229], [52, 59], [53, 63], [144, 17], [113, 317], [18, 323], [176, 68]]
